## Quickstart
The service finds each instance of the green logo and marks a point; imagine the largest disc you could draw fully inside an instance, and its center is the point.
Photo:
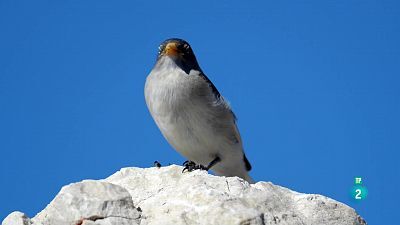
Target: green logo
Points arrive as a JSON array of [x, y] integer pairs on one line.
[[359, 192]]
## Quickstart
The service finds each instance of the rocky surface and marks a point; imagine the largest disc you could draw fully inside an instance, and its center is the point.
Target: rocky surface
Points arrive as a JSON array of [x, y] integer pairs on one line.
[[166, 196]]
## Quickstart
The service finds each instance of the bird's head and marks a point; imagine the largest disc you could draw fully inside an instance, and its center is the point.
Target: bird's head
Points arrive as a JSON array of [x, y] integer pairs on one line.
[[180, 52]]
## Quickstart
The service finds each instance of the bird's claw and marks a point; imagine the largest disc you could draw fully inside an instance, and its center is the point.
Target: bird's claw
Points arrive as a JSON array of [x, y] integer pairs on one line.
[[157, 164], [190, 166]]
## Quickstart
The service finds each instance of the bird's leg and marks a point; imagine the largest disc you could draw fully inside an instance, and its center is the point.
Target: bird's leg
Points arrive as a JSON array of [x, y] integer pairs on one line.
[[190, 165], [212, 163]]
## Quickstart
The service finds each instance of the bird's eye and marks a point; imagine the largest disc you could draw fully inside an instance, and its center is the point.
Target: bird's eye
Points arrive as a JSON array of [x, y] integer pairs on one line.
[[184, 48]]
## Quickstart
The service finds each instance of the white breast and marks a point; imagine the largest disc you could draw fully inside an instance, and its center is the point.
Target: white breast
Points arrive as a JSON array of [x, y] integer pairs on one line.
[[181, 114]]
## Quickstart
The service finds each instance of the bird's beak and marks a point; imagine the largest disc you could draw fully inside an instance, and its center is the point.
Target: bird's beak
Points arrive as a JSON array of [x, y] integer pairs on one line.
[[171, 49]]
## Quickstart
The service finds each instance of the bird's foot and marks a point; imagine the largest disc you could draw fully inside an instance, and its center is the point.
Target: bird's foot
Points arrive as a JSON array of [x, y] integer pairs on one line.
[[157, 164], [190, 166]]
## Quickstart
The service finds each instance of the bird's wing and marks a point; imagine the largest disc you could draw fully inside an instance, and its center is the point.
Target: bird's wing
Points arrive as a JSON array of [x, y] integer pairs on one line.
[[212, 86], [221, 102], [237, 135], [234, 134], [217, 95]]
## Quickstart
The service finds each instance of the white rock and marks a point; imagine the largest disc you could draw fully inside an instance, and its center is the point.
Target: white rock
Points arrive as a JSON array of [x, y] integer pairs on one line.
[[90, 202], [166, 196], [16, 218]]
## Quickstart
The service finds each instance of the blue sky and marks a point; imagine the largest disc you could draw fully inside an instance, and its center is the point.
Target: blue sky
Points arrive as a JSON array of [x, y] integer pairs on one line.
[[315, 85]]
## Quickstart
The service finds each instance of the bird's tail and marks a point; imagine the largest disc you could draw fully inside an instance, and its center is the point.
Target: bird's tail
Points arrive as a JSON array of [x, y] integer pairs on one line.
[[248, 178]]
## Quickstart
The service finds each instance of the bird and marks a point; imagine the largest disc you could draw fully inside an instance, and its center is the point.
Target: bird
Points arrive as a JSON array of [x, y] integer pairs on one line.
[[192, 115]]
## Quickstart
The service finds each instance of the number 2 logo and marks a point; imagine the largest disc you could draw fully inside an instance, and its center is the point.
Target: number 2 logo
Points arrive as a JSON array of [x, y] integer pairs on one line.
[[358, 194]]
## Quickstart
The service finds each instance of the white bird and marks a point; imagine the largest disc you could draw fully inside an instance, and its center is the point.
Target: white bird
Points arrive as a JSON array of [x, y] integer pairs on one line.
[[192, 115]]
